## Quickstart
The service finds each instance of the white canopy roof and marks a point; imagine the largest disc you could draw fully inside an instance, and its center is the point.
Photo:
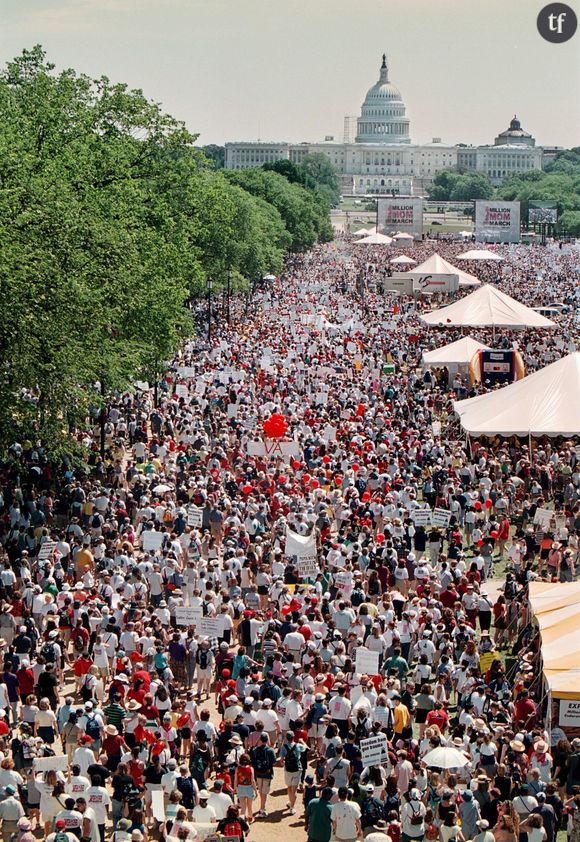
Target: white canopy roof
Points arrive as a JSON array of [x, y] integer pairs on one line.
[[402, 235], [547, 403], [437, 265], [459, 352], [402, 259], [375, 240], [479, 254], [364, 232], [486, 307]]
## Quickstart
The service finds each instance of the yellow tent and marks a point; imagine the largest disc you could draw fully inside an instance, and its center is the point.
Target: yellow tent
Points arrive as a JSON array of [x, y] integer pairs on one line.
[[563, 684], [556, 607], [549, 596]]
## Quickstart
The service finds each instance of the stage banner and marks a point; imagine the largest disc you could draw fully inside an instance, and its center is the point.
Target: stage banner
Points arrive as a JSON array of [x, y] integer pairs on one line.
[[497, 222], [404, 215]]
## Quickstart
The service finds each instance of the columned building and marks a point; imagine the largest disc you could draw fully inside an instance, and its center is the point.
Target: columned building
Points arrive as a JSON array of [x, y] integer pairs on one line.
[[383, 158]]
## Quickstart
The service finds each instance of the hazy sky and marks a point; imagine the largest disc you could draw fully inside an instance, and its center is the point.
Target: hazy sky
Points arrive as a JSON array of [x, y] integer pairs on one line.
[[243, 69]]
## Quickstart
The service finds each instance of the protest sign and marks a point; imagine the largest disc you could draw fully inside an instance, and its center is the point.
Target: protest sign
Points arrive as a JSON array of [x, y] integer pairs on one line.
[[209, 627], [440, 517], [181, 390], [188, 616], [543, 518], [157, 805], [44, 764], [366, 661], [46, 550], [374, 750], [307, 567], [422, 517], [151, 540], [194, 517]]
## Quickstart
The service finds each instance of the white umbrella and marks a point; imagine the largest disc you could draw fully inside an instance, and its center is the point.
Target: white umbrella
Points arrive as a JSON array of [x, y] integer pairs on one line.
[[402, 235], [402, 259], [445, 757], [479, 254], [161, 489]]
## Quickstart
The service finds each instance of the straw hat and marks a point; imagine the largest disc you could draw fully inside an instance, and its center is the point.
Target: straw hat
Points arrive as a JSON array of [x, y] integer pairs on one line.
[[517, 746], [111, 730]]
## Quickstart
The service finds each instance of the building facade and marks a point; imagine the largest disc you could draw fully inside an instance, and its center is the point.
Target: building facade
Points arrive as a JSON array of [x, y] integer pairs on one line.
[[382, 159]]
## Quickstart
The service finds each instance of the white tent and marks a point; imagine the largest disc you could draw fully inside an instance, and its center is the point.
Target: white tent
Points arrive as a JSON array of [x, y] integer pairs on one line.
[[546, 403], [437, 265], [486, 307], [364, 232], [375, 240], [402, 235], [479, 254], [455, 354], [402, 259]]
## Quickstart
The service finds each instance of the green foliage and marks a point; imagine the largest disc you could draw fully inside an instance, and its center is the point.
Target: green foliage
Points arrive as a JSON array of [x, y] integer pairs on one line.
[[110, 219], [216, 154], [286, 168], [449, 185], [305, 213], [319, 172], [556, 185], [567, 162]]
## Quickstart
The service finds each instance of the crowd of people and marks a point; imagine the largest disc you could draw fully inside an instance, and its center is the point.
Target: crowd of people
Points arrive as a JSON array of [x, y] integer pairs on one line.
[[251, 588]]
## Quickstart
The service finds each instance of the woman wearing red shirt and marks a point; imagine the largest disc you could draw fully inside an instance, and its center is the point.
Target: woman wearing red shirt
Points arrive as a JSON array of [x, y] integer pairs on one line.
[[113, 746]]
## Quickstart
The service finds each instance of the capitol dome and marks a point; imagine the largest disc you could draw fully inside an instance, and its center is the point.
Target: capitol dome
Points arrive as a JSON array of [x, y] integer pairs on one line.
[[383, 114]]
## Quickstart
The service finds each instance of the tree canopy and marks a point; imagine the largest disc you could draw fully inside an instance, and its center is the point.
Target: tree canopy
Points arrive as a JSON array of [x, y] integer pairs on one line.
[[449, 185], [111, 219]]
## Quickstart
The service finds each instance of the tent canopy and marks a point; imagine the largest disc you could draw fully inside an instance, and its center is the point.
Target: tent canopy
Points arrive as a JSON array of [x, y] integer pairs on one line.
[[375, 240], [403, 259], [486, 307], [555, 606], [364, 232], [456, 353], [437, 265], [546, 403], [402, 235], [479, 254]]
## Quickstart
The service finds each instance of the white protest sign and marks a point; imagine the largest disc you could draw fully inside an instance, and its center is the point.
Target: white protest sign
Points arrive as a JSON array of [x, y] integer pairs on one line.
[[194, 517], [440, 517], [200, 388], [343, 581], [188, 616], [302, 546], [569, 713], [181, 390], [422, 517], [46, 550], [157, 805], [543, 518], [374, 750], [366, 661], [186, 371], [44, 764], [209, 627], [151, 540], [307, 567], [329, 433]]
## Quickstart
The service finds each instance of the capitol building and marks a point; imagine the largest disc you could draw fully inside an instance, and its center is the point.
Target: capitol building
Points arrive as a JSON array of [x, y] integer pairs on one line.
[[382, 158]]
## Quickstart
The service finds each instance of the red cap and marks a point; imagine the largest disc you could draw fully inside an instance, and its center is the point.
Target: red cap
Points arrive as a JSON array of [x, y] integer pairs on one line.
[[60, 823]]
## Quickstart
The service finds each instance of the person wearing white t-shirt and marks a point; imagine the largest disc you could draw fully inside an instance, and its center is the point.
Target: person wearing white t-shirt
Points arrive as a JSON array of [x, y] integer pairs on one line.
[[100, 801]]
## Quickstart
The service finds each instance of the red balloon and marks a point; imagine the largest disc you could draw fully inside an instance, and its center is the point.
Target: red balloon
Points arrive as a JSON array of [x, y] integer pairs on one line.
[[246, 488], [326, 459], [296, 464], [477, 506], [494, 533], [366, 496], [281, 479], [314, 483], [480, 543], [488, 504], [306, 478], [355, 467], [338, 480], [380, 538], [360, 410], [275, 426]]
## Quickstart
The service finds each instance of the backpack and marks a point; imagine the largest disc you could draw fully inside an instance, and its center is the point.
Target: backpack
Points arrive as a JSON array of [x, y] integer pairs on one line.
[[92, 728], [416, 818], [60, 836], [267, 692], [262, 764], [79, 643], [48, 652], [232, 829], [371, 812], [292, 759], [202, 658], [96, 522]]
